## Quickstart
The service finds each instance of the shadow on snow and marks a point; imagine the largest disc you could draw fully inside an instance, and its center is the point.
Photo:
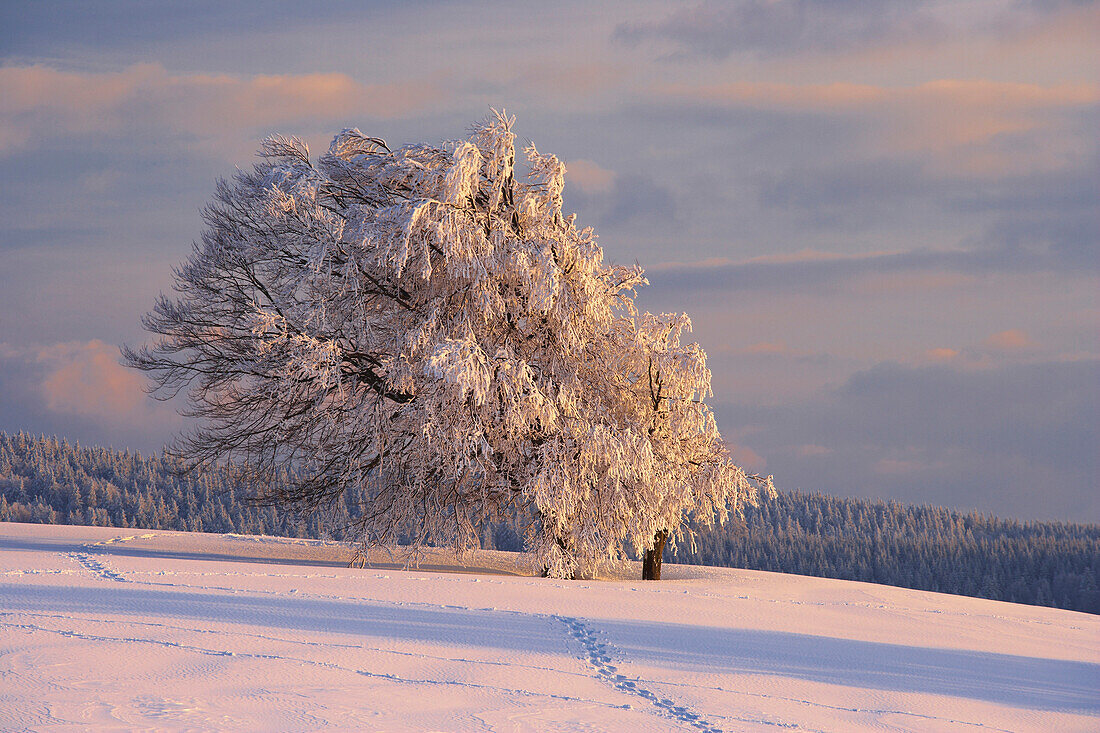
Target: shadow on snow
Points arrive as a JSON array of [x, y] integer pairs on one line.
[[1044, 684]]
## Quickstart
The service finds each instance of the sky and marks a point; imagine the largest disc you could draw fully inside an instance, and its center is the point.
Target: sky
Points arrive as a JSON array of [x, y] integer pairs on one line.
[[882, 217]]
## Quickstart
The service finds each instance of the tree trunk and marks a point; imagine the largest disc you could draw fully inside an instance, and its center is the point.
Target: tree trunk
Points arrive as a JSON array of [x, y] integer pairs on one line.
[[651, 565]]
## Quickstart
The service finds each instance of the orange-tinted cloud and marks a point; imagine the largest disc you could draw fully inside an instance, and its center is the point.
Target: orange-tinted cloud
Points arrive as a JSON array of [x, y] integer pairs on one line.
[[87, 379], [1013, 339], [941, 353], [589, 177], [40, 101], [746, 457]]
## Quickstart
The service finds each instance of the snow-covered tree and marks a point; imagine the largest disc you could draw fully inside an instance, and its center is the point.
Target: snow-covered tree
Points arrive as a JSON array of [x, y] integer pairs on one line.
[[425, 328]]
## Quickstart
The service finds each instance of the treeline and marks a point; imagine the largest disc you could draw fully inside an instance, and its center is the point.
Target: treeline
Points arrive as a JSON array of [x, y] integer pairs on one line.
[[927, 548], [46, 480]]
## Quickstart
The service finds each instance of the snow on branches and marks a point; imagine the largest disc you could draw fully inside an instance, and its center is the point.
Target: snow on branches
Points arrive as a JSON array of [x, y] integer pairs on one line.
[[425, 328]]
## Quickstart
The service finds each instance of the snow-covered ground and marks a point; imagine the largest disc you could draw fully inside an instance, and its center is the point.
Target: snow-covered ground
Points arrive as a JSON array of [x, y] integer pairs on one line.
[[122, 629]]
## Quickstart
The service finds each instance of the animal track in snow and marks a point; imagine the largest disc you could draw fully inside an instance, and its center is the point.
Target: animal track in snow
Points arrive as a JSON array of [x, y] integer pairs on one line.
[[596, 653]]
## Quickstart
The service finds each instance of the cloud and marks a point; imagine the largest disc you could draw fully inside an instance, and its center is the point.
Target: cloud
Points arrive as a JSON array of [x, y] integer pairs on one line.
[[772, 30], [747, 458], [41, 102], [940, 117], [79, 390], [718, 29], [638, 199], [842, 97], [999, 440], [589, 176], [1013, 339], [72, 23], [628, 201], [873, 273], [941, 353], [87, 379], [890, 167], [907, 199]]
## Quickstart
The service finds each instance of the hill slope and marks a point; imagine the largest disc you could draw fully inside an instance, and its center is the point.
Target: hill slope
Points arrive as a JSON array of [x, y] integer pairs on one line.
[[102, 628]]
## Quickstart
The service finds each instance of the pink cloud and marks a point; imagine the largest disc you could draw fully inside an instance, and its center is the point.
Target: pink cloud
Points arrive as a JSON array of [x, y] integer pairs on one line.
[[747, 458], [87, 379], [941, 354], [589, 177], [1013, 339]]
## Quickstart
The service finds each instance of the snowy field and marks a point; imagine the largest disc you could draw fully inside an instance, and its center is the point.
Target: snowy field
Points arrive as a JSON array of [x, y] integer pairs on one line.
[[124, 629]]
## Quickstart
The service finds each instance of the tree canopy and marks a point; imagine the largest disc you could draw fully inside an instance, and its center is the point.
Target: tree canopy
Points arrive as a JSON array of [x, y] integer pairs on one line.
[[427, 327]]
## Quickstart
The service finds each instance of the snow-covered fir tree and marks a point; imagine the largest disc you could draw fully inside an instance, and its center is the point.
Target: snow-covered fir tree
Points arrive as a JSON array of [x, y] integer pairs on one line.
[[428, 328]]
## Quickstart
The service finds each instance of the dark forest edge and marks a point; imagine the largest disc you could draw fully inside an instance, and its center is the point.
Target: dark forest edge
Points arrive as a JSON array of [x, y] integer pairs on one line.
[[49, 481]]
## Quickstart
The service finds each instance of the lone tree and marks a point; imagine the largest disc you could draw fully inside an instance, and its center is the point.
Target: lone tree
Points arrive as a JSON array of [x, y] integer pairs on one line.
[[419, 326]]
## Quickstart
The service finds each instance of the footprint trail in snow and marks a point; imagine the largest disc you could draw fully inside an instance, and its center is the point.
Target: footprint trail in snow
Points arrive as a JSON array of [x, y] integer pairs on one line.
[[597, 655], [97, 567]]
